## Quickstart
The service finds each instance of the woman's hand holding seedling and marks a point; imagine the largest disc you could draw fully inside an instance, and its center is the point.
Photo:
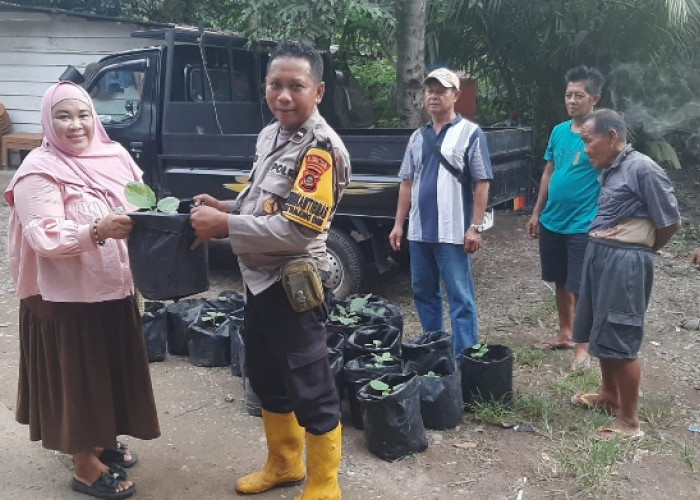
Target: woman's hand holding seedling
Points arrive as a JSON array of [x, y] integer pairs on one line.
[[208, 219], [114, 225]]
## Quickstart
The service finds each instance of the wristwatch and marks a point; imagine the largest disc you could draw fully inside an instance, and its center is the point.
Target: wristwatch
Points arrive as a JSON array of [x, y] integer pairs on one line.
[[479, 228]]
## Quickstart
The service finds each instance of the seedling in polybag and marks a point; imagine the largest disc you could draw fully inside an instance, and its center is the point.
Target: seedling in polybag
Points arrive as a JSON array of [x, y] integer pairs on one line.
[[376, 344], [481, 350], [380, 359], [344, 317], [139, 194], [359, 305], [214, 318], [384, 388]]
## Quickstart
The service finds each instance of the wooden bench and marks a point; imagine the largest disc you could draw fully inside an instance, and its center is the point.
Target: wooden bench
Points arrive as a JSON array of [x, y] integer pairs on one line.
[[18, 142]]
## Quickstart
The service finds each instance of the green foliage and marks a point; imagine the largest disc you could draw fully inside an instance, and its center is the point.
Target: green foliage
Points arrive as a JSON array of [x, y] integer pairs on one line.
[[142, 196], [385, 389], [378, 78], [381, 359], [214, 318], [344, 316], [479, 351]]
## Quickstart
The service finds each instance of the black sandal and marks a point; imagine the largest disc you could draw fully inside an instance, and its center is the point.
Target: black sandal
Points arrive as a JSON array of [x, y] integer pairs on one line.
[[116, 456], [104, 487]]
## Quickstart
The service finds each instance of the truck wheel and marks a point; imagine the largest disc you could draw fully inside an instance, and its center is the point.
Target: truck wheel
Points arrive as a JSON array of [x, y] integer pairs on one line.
[[347, 264]]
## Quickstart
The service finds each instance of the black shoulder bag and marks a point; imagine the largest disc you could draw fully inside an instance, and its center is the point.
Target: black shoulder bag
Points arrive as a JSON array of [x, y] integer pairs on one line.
[[464, 177]]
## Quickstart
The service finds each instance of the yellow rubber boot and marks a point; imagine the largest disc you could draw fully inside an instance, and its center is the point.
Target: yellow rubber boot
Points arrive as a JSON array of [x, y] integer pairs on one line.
[[285, 455], [323, 460]]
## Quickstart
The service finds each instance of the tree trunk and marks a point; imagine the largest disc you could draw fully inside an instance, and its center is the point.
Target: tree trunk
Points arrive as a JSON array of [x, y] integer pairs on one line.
[[410, 64]]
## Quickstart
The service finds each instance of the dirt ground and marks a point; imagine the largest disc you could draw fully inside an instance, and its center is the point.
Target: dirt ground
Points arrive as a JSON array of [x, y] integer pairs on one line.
[[208, 439]]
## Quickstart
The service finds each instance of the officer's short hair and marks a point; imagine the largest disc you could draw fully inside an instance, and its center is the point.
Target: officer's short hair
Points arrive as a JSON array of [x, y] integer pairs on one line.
[[301, 51], [604, 120], [593, 78]]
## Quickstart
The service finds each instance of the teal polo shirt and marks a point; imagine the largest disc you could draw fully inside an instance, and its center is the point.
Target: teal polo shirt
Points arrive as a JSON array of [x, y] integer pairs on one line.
[[572, 202]]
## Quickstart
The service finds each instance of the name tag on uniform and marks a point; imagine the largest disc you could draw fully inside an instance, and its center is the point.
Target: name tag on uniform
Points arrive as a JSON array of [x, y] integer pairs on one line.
[[310, 203]]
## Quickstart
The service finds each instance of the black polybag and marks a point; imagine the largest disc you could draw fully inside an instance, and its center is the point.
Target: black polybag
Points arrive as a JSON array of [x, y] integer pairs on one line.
[[162, 264], [441, 399], [357, 372], [489, 378], [181, 315], [429, 350], [393, 427], [155, 330], [209, 347], [362, 341]]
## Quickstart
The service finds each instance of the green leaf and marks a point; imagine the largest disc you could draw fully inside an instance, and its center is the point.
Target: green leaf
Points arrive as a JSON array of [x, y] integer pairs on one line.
[[140, 195], [169, 205], [378, 385]]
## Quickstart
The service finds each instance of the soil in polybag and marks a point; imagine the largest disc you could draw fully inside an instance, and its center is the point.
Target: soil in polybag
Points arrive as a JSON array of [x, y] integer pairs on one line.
[[209, 345], [441, 399], [181, 315], [393, 426], [155, 330], [162, 263], [374, 339], [430, 351], [489, 378], [357, 372]]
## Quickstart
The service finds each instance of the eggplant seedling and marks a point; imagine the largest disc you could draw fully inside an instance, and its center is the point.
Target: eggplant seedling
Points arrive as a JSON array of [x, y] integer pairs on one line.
[[142, 196], [384, 388]]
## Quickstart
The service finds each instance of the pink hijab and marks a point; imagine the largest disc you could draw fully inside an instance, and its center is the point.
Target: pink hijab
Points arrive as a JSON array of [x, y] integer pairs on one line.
[[104, 167]]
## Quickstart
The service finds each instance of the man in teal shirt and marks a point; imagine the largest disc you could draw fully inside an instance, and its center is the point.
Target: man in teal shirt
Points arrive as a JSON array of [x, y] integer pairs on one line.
[[566, 205]]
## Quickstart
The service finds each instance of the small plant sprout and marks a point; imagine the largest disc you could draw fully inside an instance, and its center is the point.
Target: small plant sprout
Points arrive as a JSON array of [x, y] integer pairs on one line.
[[479, 351], [139, 194], [359, 305], [380, 359], [344, 317], [214, 318], [384, 388], [431, 373]]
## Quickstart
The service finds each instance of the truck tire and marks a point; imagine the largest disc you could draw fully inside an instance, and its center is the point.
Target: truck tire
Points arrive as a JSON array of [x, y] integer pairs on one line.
[[347, 264]]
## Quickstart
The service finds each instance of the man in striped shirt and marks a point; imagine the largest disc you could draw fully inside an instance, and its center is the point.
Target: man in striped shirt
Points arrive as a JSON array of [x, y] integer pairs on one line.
[[445, 209]]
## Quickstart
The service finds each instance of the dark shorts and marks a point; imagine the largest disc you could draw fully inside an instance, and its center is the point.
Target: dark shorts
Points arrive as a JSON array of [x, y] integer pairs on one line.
[[615, 290], [561, 257]]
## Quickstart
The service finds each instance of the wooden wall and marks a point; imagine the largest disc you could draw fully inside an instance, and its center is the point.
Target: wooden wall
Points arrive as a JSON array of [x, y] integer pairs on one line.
[[35, 48]]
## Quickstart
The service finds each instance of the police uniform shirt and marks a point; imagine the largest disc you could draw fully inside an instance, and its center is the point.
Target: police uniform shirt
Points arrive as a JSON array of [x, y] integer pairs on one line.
[[260, 235]]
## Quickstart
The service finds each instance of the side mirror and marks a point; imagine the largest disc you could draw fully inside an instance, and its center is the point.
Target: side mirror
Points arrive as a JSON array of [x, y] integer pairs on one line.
[[70, 74]]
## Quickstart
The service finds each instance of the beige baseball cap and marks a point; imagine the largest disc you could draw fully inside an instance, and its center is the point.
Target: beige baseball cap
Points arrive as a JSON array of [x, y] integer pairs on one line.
[[443, 75]]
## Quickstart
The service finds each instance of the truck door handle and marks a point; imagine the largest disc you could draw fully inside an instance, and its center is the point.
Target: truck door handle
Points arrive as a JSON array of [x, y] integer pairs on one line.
[[136, 148]]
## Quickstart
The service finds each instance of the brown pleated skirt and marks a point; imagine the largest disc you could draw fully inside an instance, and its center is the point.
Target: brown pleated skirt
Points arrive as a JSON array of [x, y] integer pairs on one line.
[[83, 374]]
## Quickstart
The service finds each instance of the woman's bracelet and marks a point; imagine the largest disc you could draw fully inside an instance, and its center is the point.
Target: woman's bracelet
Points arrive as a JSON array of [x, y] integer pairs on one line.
[[96, 237]]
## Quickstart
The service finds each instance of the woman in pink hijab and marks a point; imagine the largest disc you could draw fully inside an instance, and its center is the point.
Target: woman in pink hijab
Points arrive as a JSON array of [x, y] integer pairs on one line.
[[83, 372]]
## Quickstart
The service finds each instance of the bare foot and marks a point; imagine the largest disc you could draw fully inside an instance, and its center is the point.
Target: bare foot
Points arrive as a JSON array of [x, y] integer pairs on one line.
[[697, 387], [619, 429]]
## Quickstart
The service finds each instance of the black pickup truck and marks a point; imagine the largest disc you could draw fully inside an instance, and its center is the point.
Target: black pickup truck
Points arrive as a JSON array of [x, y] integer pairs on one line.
[[189, 109]]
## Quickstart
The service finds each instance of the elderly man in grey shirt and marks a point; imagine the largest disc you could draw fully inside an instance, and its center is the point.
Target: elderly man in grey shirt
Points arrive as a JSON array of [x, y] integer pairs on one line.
[[637, 215]]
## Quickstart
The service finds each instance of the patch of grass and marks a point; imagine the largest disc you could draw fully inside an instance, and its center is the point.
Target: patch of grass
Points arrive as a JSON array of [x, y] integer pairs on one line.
[[685, 240], [530, 357], [688, 454], [590, 463], [574, 383], [657, 414]]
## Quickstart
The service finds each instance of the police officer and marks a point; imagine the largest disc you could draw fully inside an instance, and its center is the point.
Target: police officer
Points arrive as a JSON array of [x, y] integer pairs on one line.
[[300, 170]]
